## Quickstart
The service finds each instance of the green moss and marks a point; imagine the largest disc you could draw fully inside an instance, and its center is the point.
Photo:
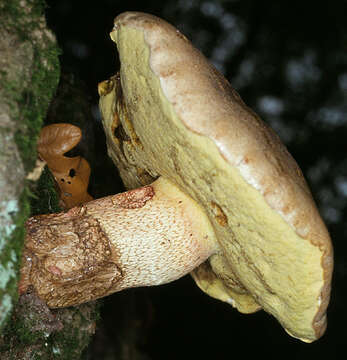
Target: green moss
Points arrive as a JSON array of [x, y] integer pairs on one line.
[[35, 102], [44, 198], [44, 334], [25, 330], [81, 324], [32, 101], [16, 16]]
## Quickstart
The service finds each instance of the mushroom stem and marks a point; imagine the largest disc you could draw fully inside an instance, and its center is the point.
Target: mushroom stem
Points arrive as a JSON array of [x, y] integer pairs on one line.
[[147, 236]]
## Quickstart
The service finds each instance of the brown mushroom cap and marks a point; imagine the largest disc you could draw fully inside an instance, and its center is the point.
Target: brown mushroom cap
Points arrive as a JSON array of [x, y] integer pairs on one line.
[[170, 113], [58, 139]]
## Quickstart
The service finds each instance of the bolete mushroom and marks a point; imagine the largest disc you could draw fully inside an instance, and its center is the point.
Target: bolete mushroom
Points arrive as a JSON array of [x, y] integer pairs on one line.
[[213, 192]]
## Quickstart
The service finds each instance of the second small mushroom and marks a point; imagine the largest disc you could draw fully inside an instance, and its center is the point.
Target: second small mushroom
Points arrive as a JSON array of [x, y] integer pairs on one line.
[[214, 193], [70, 173]]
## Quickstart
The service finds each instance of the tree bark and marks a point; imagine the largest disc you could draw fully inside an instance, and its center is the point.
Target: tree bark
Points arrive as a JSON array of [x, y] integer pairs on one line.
[[29, 74]]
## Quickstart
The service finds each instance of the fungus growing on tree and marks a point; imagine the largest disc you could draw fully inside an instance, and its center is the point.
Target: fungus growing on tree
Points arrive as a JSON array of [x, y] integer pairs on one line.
[[213, 192]]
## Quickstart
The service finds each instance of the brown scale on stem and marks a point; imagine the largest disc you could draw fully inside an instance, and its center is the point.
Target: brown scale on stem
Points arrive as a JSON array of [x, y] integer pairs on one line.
[[68, 258]]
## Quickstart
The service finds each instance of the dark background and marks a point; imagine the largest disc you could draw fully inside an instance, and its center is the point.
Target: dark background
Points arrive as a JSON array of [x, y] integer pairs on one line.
[[288, 61]]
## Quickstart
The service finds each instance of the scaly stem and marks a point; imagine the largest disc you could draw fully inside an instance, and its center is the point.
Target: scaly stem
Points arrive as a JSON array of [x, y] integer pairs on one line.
[[147, 236]]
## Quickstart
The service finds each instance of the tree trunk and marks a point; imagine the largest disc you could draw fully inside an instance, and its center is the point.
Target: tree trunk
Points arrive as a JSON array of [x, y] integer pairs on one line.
[[29, 74]]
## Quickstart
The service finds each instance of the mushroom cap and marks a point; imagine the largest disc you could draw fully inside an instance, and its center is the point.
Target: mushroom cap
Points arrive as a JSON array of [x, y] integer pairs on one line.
[[58, 139], [171, 113]]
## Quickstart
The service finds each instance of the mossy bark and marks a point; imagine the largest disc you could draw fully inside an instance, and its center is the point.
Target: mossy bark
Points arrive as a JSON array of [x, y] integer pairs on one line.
[[28, 78], [29, 74]]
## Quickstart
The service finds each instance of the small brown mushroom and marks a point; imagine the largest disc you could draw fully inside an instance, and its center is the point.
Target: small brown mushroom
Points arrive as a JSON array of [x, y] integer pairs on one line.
[[229, 204], [71, 173]]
